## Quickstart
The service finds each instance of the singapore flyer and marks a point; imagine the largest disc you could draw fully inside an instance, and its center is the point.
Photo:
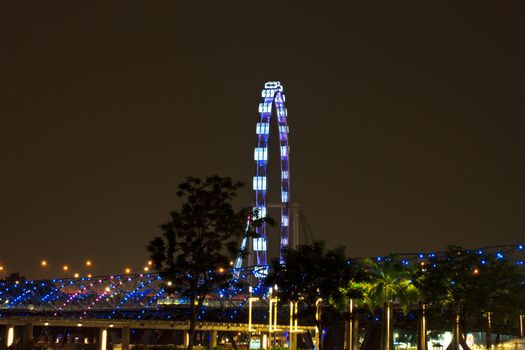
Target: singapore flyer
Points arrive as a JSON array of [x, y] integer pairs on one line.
[[273, 96]]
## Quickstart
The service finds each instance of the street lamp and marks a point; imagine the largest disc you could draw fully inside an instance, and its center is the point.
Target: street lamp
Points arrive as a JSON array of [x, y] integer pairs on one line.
[[250, 301]]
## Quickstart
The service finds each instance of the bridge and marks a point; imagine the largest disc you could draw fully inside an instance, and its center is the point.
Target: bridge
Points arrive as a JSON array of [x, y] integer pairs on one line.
[[129, 307], [140, 302]]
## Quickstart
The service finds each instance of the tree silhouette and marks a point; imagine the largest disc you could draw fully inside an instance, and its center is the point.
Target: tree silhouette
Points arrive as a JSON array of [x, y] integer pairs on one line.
[[201, 239], [312, 275]]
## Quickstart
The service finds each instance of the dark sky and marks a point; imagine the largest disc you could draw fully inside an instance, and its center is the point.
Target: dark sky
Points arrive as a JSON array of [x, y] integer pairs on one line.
[[406, 120]]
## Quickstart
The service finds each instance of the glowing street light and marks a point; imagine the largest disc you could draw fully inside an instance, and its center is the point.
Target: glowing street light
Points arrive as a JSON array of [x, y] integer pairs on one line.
[[88, 263], [76, 275], [146, 269], [127, 270], [65, 268], [43, 263], [150, 263]]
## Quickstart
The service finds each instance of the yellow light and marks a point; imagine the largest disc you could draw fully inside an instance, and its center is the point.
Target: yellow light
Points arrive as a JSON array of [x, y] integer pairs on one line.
[[150, 262], [89, 275], [170, 283], [476, 271], [221, 270], [10, 336], [46, 323], [108, 289], [65, 267], [79, 324], [127, 270], [1, 268], [43, 263], [88, 263], [76, 275], [146, 269]]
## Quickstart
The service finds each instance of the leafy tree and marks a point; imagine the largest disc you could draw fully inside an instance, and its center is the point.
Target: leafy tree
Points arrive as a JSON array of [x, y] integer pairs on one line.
[[200, 240], [310, 274], [351, 295], [14, 277], [451, 281], [470, 285], [389, 281]]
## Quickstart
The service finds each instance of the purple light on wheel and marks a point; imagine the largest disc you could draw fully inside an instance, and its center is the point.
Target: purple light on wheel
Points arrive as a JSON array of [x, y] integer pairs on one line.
[[273, 96]]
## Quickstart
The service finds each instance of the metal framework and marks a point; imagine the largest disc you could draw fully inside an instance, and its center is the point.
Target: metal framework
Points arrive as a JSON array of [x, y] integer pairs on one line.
[[137, 297], [272, 95]]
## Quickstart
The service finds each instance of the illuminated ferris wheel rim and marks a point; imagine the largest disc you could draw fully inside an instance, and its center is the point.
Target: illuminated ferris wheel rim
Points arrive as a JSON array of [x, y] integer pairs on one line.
[[273, 95]]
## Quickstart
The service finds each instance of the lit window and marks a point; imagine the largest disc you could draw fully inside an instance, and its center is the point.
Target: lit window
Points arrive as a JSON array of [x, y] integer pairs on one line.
[[284, 174], [263, 128], [284, 197], [284, 221], [261, 153], [259, 183], [283, 129]]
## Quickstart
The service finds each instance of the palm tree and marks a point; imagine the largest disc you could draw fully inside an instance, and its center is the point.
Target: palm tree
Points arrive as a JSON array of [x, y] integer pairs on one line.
[[390, 281], [350, 296]]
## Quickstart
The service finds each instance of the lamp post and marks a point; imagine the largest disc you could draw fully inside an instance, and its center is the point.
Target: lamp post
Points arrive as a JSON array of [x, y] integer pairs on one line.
[[250, 300], [293, 325], [349, 326], [318, 315], [270, 316]]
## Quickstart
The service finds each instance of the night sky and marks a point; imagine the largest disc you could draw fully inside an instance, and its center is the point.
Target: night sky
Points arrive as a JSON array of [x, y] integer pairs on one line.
[[406, 121]]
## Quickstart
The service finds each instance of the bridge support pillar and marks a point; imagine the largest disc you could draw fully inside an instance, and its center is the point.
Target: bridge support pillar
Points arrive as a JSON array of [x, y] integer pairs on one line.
[[103, 339], [9, 335], [125, 338], [212, 341], [27, 336]]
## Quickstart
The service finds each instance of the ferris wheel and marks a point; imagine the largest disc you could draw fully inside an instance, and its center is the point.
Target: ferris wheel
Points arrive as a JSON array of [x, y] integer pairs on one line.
[[272, 96]]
